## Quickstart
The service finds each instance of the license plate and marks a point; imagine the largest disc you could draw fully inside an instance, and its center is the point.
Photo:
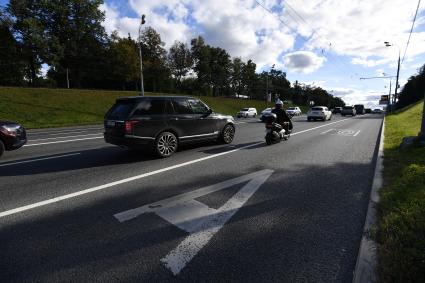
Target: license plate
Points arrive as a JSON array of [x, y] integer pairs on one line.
[[110, 123]]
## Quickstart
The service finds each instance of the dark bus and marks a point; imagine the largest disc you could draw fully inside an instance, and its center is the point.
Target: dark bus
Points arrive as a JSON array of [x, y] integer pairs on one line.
[[359, 109]]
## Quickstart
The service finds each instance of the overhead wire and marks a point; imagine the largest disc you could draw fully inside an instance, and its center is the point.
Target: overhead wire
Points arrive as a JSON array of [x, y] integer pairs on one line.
[[293, 30], [411, 30]]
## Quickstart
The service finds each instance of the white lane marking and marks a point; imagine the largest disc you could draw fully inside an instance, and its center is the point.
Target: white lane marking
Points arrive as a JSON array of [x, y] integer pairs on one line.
[[57, 138], [356, 133], [326, 131], [199, 220], [137, 177], [54, 132], [39, 159], [44, 143], [296, 133]]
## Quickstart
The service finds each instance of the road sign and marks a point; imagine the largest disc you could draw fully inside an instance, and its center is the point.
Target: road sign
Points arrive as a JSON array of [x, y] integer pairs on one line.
[[199, 220], [385, 97], [383, 102]]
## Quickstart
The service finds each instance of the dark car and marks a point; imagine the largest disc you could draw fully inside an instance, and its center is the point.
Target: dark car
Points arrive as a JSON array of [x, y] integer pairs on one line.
[[368, 110], [164, 122], [12, 136], [337, 110], [359, 109], [348, 110]]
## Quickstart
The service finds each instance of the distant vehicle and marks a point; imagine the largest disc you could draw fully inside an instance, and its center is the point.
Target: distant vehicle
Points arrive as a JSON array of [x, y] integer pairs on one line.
[[12, 136], [377, 111], [348, 110], [337, 110], [319, 113], [247, 112], [164, 122], [265, 112], [368, 110], [293, 111], [359, 109]]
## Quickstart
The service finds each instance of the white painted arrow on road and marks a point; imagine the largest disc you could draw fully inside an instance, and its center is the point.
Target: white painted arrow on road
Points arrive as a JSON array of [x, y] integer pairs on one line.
[[196, 218]]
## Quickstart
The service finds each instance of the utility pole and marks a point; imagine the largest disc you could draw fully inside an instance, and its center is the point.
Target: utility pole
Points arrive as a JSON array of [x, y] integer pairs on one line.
[[389, 99], [67, 78], [142, 88], [388, 44]]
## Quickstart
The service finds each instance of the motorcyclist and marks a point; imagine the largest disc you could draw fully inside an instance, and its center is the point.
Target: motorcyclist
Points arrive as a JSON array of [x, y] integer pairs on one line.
[[281, 117]]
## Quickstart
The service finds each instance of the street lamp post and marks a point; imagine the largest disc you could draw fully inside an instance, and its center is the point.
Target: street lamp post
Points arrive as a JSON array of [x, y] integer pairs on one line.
[[142, 88], [267, 85], [387, 44]]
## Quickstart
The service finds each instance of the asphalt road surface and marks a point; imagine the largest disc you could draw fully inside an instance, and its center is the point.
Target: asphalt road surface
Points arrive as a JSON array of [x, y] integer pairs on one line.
[[74, 209]]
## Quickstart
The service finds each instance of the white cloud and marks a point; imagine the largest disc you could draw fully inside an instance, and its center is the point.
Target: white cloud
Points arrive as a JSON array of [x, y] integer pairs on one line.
[[353, 96], [303, 62]]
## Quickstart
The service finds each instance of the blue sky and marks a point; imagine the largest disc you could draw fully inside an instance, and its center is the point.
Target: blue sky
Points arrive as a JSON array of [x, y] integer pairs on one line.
[[327, 43]]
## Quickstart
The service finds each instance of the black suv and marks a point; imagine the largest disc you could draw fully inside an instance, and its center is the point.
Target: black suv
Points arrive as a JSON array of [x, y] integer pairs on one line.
[[164, 122], [12, 136]]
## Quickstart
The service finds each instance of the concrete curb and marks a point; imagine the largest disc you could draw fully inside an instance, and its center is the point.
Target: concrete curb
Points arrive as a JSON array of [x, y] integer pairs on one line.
[[365, 270]]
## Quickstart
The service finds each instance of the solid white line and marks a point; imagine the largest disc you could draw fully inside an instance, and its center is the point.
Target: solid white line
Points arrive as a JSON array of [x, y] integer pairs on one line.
[[57, 138], [356, 133], [53, 132], [44, 143], [137, 177], [39, 159]]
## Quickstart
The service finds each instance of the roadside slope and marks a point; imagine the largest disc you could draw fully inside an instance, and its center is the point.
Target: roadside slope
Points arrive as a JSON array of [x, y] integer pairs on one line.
[[43, 107], [401, 231]]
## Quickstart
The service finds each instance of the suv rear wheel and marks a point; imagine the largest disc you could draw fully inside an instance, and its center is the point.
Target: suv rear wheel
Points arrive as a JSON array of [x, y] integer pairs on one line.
[[227, 134], [166, 144]]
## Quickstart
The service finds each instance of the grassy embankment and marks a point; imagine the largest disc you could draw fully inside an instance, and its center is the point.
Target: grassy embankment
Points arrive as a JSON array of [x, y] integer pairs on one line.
[[402, 207], [42, 107]]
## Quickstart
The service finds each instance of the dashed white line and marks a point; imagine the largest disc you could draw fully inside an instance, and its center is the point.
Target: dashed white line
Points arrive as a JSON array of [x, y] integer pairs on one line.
[[137, 177], [57, 138], [356, 133], [39, 159], [44, 143]]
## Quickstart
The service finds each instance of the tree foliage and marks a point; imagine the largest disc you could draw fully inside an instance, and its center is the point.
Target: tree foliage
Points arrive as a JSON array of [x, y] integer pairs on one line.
[[67, 36], [413, 90]]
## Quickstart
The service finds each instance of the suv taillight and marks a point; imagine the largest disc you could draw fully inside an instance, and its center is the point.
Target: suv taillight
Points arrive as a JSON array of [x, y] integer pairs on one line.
[[129, 126]]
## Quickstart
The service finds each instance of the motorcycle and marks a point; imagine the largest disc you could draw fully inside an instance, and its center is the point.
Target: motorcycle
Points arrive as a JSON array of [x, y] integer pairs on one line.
[[276, 132]]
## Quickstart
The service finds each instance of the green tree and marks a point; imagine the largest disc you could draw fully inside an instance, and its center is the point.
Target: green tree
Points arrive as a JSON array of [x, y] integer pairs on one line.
[[11, 65], [155, 71], [77, 39], [249, 78], [413, 90], [220, 70], [180, 61], [29, 30], [124, 64], [236, 76]]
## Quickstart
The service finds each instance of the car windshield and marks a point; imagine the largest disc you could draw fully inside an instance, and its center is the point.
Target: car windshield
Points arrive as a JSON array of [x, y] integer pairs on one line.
[[348, 107], [245, 109], [291, 108], [317, 108]]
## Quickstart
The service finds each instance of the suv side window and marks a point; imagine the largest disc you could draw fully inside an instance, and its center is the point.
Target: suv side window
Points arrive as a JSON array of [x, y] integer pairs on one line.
[[149, 107], [181, 106], [198, 107]]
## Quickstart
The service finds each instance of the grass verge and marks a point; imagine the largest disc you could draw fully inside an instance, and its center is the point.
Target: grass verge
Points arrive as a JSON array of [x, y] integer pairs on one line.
[[401, 210], [43, 107]]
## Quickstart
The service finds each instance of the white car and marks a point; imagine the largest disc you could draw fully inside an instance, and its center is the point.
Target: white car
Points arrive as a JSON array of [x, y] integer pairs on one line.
[[247, 112], [293, 111], [319, 113]]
